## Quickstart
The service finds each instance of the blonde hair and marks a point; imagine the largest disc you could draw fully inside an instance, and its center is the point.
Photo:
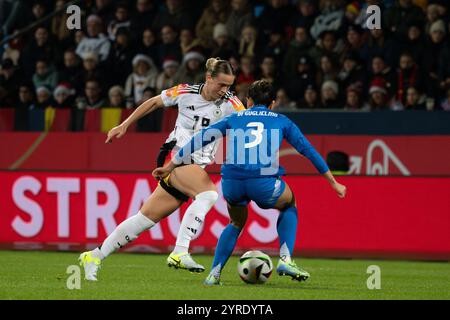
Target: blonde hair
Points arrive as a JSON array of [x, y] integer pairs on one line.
[[214, 66]]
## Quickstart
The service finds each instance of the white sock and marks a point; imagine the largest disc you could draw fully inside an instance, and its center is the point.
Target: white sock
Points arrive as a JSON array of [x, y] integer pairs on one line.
[[125, 232], [284, 253], [193, 219]]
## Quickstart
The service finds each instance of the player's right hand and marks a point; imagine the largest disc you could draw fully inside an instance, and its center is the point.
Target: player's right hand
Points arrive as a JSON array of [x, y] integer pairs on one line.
[[340, 189], [117, 132]]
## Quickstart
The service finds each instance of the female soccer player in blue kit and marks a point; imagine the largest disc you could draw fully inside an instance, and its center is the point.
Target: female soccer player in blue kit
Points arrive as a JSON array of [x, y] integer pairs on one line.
[[251, 172]]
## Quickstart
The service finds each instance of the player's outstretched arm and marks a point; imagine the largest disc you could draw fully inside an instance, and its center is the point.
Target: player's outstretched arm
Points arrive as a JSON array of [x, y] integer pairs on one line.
[[145, 108]]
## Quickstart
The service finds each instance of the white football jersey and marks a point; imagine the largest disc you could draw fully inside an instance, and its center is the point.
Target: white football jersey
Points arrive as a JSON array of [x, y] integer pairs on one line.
[[196, 113]]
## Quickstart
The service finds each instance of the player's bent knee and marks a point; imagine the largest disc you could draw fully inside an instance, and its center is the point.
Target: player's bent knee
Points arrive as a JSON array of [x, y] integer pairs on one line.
[[210, 196]]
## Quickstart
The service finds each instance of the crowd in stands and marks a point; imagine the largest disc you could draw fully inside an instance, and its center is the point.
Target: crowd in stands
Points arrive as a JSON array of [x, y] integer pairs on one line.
[[317, 54]]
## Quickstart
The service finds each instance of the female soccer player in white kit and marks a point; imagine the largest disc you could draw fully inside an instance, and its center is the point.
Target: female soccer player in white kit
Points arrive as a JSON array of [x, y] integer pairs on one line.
[[198, 107]]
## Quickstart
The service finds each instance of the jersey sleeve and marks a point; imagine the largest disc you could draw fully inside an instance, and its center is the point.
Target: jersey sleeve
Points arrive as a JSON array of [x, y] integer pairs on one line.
[[202, 138], [171, 96], [235, 104], [296, 138]]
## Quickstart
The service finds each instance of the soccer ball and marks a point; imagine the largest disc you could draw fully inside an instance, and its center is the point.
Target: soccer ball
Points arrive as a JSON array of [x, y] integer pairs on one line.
[[255, 267]]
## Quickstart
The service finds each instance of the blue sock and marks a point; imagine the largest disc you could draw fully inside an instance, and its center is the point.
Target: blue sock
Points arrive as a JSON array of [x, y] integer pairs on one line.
[[287, 231], [225, 246]]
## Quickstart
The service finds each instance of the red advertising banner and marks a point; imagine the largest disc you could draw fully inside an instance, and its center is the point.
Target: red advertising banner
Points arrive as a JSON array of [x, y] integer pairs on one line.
[[369, 155], [381, 216]]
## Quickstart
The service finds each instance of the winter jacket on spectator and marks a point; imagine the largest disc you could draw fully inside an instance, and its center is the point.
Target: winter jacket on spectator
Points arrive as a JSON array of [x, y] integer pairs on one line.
[[48, 78], [142, 19], [177, 15], [240, 16], [277, 16], [298, 47], [144, 75], [378, 44], [217, 12], [399, 17], [99, 45]]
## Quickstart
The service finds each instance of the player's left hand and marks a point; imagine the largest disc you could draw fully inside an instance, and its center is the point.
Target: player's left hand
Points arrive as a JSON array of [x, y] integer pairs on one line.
[[340, 189], [160, 173]]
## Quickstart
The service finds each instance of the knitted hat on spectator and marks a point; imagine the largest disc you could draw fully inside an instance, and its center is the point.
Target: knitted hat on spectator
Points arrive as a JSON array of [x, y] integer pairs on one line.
[[353, 7], [170, 62], [90, 56], [63, 88], [355, 87], [43, 89], [438, 25], [142, 57], [377, 85], [220, 30], [193, 55], [330, 84]]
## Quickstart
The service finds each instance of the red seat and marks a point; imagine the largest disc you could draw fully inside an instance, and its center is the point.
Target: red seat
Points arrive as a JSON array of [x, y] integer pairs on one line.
[[7, 119], [92, 120], [169, 118], [62, 120]]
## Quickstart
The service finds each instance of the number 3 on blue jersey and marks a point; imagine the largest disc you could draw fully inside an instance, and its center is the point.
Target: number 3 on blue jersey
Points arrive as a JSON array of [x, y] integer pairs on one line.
[[257, 133]]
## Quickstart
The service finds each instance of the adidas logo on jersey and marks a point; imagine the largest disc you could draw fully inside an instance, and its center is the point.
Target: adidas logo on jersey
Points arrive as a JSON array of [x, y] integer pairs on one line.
[[194, 231], [191, 108]]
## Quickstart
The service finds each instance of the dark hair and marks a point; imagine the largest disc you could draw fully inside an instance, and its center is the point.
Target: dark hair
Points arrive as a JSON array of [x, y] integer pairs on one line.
[[261, 92], [214, 66]]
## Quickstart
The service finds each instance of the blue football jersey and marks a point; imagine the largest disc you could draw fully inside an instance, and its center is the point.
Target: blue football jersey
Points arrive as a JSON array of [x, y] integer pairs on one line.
[[254, 137]]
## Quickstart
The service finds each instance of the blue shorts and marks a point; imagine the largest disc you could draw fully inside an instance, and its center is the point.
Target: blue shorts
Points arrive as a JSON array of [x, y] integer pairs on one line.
[[263, 191]]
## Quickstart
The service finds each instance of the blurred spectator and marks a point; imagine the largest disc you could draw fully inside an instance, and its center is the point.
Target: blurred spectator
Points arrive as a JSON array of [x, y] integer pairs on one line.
[[95, 41], [297, 48], [223, 45], [143, 18], [381, 70], [25, 102], [45, 75], [144, 75], [218, 11], [64, 96], [305, 14], [43, 98], [269, 71], [174, 13], [38, 48], [379, 99], [59, 23], [188, 41], [121, 20], [353, 100], [277, 13], [120, 56], [10, 78], [93, 97], [191, 71], [326, 45], [414, 100], [148, 45], [378, 44], [248, 42], [444, 68], [354, 40], [414, 41], [39, 10], [327, 70], [445, 103], [13, 48], [408, 75], [169, 45], [240, 16], [166, 79], [330, 18], [91, 69], [246, 74], [152, 122], [434, 46], [399, 16], [352, 72], [105, 10], [275, 46], [432, 15], [116, 97], [297, 84], [282, 101], [329, 94], [310, 98], [72, 71]]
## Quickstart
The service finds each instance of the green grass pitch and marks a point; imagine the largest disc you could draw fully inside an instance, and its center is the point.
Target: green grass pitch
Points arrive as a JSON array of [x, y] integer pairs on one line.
[[42, 275]]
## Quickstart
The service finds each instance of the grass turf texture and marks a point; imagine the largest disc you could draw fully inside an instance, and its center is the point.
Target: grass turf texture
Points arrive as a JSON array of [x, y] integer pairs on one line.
[[42, 275]]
